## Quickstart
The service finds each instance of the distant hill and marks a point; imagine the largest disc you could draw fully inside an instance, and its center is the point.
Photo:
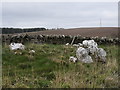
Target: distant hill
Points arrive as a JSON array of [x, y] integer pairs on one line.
[[87, 32]]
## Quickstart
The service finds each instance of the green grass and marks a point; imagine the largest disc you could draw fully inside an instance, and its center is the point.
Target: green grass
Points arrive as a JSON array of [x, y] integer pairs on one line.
[[50, 68]]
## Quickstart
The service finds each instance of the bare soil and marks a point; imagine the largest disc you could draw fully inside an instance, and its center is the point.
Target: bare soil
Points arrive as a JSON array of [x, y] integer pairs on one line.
[[87, 32]]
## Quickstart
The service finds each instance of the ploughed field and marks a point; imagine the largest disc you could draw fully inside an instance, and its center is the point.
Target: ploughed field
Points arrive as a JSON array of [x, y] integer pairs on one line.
[[50, 68], [87, 32]]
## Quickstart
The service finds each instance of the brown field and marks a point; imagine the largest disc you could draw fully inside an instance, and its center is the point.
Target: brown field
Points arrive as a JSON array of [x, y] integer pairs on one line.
[[87, 32], [103, 31]]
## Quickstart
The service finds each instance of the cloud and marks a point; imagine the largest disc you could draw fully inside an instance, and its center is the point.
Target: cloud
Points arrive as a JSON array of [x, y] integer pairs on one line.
[[64, 14]]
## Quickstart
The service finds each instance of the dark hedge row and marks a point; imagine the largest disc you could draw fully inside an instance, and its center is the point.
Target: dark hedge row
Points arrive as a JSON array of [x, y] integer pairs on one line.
[[19, 30]]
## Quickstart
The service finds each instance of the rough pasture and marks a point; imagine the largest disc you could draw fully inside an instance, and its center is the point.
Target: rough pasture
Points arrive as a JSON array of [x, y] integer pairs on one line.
[[50, 68]]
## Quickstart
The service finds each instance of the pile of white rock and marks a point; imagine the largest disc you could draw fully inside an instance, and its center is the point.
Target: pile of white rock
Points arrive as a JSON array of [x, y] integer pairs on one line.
[[87, 50], [16, 46]]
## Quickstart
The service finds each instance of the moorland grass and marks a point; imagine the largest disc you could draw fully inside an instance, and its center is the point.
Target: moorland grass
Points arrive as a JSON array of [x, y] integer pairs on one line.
[[50, 68]]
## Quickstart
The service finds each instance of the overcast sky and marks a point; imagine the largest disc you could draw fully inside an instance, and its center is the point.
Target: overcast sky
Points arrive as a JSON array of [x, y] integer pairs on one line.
[[59, 14]]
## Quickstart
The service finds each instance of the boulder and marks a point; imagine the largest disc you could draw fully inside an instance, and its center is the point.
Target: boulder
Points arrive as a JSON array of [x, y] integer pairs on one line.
[[82, 55], [16, 46]]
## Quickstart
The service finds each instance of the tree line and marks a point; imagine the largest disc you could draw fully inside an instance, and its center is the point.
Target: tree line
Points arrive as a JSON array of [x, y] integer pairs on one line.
[[20, 30]]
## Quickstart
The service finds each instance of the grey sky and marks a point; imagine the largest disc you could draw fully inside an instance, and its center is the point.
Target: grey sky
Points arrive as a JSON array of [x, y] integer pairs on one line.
[[59, 14]]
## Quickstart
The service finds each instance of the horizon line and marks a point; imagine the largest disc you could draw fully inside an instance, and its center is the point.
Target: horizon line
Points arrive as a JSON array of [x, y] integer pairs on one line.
[[62, 27]]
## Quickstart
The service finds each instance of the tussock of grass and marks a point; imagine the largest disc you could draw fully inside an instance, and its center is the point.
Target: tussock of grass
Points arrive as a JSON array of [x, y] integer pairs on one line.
[[50, 68]]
